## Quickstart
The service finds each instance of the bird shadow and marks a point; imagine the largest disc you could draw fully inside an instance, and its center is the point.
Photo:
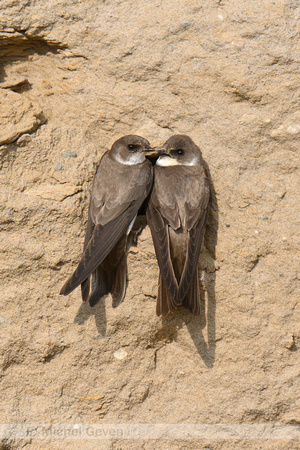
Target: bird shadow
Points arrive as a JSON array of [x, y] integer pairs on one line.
[[204, 340], [85, 311]]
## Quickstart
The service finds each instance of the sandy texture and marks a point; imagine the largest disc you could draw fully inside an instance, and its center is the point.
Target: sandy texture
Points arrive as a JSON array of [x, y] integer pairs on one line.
[[75, 76]]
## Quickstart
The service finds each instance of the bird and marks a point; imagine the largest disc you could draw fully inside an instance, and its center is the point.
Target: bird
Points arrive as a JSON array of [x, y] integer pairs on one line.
[[177, 214], [122, 183]]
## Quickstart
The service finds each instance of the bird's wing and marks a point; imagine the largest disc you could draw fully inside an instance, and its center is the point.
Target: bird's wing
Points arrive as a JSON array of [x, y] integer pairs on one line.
[[195, 238], [196, 212], [161, 241], [164, 303], [113, 207], [103, 239]]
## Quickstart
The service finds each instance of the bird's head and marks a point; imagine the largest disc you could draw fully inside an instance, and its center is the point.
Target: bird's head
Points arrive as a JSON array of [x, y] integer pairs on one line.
[[131, 150], [179, 150]]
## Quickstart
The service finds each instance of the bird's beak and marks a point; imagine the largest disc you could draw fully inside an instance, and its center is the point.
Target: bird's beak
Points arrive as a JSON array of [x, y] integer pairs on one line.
[[152, 151], [152, 154], [155, 152]]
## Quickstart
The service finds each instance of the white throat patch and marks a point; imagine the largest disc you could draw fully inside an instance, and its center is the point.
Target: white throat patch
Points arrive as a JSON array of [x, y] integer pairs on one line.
[[166, 161], [134, 158], [193, 162]]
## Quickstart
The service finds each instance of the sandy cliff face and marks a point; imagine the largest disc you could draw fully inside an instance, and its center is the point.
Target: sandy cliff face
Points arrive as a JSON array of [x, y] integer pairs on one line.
[[74, 77]]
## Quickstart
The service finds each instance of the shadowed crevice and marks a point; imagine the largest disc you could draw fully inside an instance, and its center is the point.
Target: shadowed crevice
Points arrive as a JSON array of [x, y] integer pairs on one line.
[[19, 47]]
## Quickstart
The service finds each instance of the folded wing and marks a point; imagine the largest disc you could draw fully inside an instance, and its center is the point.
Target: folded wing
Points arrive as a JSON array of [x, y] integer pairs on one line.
[[117, 195]]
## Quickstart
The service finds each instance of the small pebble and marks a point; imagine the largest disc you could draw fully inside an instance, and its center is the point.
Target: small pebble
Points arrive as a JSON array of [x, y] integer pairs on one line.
[[293, 129], [4, 321], [284, 238], [227, 225], [120, 354], [186, 25], [58, 166], [70, 155], [255, 231], [265, 217]]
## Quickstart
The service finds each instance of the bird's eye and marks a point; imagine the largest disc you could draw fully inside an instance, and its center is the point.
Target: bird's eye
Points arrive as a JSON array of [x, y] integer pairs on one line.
[[132, 147], [180, 151]]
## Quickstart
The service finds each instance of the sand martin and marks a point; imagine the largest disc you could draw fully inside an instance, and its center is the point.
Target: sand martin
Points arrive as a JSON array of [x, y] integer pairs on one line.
[[123, 181], [177, 213]]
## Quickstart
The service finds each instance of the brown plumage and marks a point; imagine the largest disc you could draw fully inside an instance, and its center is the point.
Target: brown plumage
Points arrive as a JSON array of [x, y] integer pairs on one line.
[[121, 184], [177, 214]]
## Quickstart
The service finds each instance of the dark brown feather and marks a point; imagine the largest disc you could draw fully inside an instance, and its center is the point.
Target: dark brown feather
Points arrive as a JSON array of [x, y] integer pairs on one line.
[[195, 239], [118, 288], [164, 303], [160, 236], [192, 299]]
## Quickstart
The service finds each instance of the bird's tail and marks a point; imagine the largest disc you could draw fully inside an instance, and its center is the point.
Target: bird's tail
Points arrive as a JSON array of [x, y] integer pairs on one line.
[[100, 286], [111, 275], [191, 301], [85, 289]]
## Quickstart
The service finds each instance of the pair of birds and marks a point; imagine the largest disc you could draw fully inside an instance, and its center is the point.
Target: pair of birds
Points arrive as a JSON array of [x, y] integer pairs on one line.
[[173, 184]]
